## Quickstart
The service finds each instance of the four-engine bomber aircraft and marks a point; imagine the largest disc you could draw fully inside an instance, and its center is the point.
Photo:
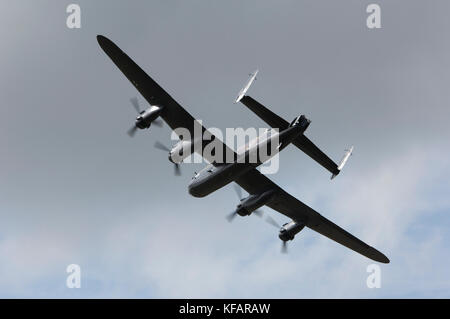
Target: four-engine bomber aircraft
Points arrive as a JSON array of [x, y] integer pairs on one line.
[[262, 191]]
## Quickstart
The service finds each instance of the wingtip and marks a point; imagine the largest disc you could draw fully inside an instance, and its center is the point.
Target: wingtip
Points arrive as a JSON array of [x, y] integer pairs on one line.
[[385, 260], [103, 41], [379, 256]]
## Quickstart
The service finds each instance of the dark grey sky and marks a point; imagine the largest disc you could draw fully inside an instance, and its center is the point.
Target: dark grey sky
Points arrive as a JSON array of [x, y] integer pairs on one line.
[[75, 189]]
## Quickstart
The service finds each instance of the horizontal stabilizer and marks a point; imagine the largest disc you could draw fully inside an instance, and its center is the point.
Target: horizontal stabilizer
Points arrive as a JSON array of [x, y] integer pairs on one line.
[[244, 90], [302, 142], [343, 161]]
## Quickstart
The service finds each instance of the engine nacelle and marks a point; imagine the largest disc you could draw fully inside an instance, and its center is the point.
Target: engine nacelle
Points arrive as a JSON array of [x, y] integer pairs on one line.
[[146, 117], [253, 202], [180, 151], [289, 230]]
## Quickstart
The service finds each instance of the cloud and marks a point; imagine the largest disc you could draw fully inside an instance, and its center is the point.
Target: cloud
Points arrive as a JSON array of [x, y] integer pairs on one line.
[[200, 255], [379, 205]]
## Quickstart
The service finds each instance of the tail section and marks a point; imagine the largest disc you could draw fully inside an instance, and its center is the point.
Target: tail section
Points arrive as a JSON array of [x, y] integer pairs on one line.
[[301, 142]]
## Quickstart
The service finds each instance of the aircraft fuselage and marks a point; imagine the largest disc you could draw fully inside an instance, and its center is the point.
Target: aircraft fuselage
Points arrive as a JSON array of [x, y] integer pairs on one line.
[[213, 177]]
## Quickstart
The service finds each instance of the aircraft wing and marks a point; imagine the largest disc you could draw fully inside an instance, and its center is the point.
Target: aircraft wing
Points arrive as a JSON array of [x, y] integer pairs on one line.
[[172, 113], [254, 182], [302, 142]]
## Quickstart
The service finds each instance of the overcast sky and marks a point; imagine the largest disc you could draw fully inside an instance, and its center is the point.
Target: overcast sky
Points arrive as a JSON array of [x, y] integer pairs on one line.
[[75, 189]]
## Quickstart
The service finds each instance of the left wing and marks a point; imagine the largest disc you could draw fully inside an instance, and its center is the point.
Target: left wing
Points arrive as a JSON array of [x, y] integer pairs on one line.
[[172, 113], [254, 182]]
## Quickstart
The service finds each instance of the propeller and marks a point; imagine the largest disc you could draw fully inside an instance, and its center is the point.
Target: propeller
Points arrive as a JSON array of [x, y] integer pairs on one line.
[[238, 191], [135, 102], [272, 222], [162, 147], [231, 216], [132, 131], [158, 122], [284, 244], [176, 169], [284, 248], [258, 212]]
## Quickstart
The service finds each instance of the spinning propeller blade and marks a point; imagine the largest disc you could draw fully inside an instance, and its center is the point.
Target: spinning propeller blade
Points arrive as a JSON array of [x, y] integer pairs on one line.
[[132, 131], [231, 216], [177, 170], [158, 122], [238, 191], [259, 212], [272, 222], [162, 147], [284, 249], [134, 101]]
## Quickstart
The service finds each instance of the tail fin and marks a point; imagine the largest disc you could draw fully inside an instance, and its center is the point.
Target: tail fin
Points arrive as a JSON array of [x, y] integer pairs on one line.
[[244, 90], [344, 160]]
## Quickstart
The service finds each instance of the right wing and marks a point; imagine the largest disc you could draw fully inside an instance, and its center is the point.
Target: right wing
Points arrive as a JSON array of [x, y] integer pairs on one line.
[[302, 142], [255, 183]]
